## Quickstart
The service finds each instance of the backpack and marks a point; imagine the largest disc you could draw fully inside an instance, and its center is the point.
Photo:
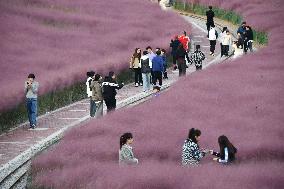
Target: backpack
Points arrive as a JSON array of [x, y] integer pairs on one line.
[[145, 68]]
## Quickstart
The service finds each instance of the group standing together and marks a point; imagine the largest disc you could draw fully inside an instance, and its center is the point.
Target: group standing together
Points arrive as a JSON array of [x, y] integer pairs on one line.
[[191, 152]]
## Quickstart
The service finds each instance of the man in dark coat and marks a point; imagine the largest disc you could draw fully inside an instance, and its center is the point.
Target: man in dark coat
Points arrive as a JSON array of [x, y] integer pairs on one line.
[[174, 45], [248, 39], [210, 19], [109, 91]]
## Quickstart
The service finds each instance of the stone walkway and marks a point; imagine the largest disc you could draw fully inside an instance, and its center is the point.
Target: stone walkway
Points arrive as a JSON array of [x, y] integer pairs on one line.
[[16, 142]]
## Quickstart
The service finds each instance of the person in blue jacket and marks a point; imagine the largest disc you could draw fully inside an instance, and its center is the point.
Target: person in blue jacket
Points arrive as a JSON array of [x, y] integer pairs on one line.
[[158, 68]]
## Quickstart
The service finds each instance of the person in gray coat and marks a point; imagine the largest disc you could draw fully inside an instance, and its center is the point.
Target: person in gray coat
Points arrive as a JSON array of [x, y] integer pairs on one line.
[[126, 156]]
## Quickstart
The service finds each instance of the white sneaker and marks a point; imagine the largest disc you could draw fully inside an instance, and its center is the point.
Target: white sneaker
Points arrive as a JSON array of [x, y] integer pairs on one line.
[[136, 85]]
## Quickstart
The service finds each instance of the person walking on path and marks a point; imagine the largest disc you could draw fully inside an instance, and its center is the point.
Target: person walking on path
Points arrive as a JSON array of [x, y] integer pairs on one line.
[[109, 91], [181, 56], [191, 154], [213, 35], [227, 42], [135, 65], [221, 39], [97, 97], [164, 56], [126, 156], [151, 55], [197, 57], [158, 68], [210, 19], [241, 30], [90, 76], [31, 92], [146, 67], [174, 45], [248, 39], [227, 151]]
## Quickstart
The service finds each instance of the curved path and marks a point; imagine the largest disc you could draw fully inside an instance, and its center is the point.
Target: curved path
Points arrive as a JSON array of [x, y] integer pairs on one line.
[[18, 146]]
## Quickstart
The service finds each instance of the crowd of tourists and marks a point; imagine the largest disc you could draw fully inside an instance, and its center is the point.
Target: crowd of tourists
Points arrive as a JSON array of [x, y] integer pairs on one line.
[[191, 154]]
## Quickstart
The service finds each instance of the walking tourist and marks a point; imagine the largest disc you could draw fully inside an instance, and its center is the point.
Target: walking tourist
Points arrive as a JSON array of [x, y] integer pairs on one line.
[[213, 35], [126, 156], [222, 34], [227, 42], [240, 32], [210, 19], [248, 39], [146, 67], [31, 92], [174, 45], [227, 151], [181, 55], [157, 68], [135, 65], [90, 76], [191, 154], [164, 56], [184, 40], [97, 97], [109, 91], [197, 57]]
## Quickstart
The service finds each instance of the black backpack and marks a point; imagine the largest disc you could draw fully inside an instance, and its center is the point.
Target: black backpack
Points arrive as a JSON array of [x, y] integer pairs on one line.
[[145, 68]]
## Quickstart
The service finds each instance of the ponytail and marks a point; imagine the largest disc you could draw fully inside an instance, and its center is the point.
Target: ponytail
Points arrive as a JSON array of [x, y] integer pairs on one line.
[[124, 138]]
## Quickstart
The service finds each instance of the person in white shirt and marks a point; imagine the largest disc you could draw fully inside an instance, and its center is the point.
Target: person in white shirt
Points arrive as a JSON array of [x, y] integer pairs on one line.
[[213, 35], [90, 76], [227, 42]]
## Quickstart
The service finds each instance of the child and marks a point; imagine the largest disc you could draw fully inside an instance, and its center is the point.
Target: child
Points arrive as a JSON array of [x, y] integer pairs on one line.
[[227, 151], [156, 91], [126, 155]]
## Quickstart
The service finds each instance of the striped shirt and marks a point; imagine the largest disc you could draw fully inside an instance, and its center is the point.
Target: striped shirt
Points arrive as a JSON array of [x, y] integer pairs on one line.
[[197, 58]]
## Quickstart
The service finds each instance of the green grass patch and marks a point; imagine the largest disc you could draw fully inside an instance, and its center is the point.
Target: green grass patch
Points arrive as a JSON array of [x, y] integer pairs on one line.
[[260, 37]]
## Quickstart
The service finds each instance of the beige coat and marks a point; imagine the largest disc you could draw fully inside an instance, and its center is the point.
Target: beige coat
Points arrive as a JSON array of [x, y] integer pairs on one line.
[[96, 91], [134, 62]]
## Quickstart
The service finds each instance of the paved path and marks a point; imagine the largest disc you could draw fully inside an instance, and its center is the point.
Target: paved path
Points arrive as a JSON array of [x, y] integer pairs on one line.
[[22, 138]]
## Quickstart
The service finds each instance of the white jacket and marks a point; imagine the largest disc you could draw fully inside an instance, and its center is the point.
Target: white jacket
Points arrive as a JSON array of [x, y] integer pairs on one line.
[[227, 40], [212, 34]]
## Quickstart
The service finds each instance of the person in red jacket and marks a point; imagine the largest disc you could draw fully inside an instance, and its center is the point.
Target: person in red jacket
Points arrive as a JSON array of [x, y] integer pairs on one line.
[[184, 39]]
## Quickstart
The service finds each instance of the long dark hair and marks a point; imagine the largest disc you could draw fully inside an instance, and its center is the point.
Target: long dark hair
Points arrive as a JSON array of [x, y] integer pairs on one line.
[[137, 55], [223, 143], [124, 138], [192, 134]]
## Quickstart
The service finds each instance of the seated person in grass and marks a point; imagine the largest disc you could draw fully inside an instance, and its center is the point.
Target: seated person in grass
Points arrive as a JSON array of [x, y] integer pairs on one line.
[[227, 151]]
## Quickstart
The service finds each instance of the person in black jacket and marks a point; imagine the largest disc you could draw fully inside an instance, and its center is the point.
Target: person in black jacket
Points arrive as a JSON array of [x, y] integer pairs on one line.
[[174, 45], [210, 19], [181, 54], [248, 39], [109, 91]]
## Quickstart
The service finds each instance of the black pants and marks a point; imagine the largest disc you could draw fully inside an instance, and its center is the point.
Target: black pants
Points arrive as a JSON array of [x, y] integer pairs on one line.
[[157, 75], [174, 59], [222, 49], [226, 50], [198, 67], [110, 104], [212, 45], [138, 75], [181, 67], [165, 72], [247, 45]]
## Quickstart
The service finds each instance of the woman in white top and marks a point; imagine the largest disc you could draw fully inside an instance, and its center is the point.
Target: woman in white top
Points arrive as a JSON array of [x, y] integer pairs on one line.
[[222, 34], [226, 42], [126, 155], [227, 151]]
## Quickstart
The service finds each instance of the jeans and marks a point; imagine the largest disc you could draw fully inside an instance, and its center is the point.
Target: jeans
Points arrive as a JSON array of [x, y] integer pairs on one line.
[[99, 112], [146, 81], [93, 108], [32, 110]]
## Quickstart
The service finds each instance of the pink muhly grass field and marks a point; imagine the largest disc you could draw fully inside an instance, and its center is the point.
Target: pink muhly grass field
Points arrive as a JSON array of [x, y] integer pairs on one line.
[[242, 99], [60, 40]]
